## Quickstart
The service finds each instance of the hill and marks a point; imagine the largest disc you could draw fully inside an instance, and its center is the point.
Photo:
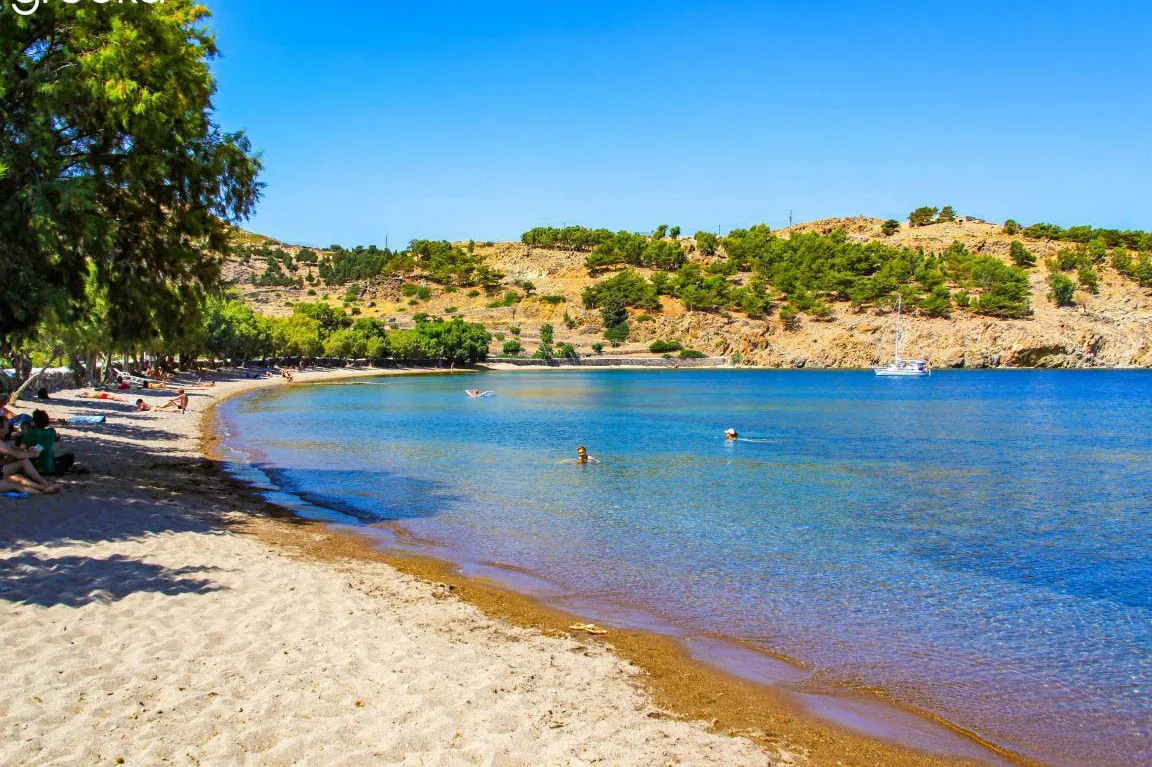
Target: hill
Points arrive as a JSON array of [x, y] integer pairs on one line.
[[820, 294]]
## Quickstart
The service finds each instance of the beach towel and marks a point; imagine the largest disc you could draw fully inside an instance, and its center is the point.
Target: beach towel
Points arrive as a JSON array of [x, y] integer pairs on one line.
[[86, 420], [14, 494]]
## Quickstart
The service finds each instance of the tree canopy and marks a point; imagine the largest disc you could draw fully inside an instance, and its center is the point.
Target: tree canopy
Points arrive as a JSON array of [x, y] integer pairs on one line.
[[115, 181]]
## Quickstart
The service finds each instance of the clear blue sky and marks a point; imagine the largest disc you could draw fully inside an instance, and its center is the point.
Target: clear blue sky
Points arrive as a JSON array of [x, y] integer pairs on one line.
[[457, 120]]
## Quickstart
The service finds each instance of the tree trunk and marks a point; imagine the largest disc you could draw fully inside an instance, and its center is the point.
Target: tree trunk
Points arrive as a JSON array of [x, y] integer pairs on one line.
[[33, 380]]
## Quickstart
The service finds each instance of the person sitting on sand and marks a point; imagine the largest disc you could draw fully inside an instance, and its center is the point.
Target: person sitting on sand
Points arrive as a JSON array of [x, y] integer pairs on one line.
[[582, 456], [101, 395], [19, 473], [32, 456], [179, 402], [142, 406], [731, 435]]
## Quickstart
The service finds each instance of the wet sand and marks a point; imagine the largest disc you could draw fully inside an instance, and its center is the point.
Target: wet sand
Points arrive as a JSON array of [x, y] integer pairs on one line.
[[158, 611]]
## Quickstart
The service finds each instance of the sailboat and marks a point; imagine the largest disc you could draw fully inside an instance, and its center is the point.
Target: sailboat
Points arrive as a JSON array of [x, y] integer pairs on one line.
[[900, 366]]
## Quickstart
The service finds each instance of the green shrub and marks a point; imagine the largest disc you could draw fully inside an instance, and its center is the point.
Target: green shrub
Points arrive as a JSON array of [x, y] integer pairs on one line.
[[790, 316], [890, 227], [645, 318], [1088, 280], [1021, 256], [1063, 289], [597, 348], [514, 329], [499, 336], [311, 291], [451, 310], [554, 300], [567, 352], [569, 322], [473, 293], [1011, 228], [657, 347], [616, 334], [413, 302], [513, 347], [692, 354], [546, 334], [409, 289]]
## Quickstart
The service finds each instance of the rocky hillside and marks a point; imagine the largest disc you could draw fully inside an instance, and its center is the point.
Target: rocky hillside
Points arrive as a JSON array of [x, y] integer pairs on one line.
[[1110, 328]]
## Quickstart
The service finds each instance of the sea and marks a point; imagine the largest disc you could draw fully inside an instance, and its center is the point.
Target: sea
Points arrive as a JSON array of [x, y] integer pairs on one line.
[[975, 545]]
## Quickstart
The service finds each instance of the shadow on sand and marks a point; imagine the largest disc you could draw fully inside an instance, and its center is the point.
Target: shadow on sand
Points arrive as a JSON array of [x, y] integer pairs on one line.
[[140, 485]]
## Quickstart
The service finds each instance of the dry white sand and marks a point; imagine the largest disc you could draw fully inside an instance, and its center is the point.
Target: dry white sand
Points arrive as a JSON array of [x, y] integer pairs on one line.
[[138, 627]]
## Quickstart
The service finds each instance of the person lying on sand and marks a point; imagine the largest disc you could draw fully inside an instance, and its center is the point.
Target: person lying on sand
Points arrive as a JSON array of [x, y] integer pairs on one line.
[[142, 406], [179, 402], [101, 395]]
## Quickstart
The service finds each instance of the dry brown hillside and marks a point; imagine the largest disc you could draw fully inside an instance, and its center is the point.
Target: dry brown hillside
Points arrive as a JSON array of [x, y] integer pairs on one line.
[[1107, 329]]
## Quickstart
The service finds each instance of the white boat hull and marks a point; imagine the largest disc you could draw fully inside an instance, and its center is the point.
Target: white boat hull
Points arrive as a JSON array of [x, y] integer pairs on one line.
[[903, 372]]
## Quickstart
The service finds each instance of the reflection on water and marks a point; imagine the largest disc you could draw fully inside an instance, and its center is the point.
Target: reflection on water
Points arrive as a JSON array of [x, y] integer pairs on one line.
[[975, 542]]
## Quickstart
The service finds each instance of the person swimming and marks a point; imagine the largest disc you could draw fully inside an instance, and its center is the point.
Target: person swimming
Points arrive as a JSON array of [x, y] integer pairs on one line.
[[731, 435], [582, 456]]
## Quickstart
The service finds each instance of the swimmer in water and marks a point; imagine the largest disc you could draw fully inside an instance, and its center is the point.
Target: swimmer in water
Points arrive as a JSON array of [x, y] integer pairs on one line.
[[582, 456], [731, 435]]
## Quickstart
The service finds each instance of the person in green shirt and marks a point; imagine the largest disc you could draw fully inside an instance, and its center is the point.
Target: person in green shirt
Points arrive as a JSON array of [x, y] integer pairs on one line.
[[41, 433]]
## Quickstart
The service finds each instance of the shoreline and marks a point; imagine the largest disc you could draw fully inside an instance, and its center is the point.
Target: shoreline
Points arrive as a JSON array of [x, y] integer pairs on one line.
[[687, 685]]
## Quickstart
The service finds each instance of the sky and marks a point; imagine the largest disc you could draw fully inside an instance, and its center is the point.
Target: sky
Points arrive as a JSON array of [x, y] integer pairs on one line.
[[389, 121]]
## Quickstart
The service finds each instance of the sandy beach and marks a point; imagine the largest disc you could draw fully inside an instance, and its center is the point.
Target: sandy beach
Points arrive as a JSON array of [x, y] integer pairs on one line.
[[157, 613]]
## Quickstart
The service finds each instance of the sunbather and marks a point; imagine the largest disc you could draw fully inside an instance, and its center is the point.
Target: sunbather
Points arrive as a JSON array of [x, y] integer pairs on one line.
[[101, 395], [142, 406], [179, 402]]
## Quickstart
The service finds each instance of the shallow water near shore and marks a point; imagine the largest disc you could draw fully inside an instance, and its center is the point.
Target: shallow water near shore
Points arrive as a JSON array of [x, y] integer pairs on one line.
[[975, 544]]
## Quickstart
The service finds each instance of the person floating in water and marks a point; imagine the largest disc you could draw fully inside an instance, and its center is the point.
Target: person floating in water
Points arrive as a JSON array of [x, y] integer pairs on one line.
[[731, 435], [473, 393], [582, 456]]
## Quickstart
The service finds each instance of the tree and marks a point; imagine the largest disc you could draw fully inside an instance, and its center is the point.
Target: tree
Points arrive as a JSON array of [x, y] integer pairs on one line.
[[706, 243], [890, 227], [1021, 256], [513, 347], [1088, 280], [546, 334], [111, 164], [661, 232], [1011, 228], [614, 313], [674, 232], [233, 331], [597, 348], [922, 216], [1063, 290], [947, 214], [567, 352]]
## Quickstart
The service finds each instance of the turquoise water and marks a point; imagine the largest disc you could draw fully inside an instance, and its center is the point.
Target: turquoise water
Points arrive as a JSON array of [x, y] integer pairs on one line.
[[976, 544]]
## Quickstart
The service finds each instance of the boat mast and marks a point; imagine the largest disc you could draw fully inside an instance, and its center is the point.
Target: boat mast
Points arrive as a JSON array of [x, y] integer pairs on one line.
[[899, 308]]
